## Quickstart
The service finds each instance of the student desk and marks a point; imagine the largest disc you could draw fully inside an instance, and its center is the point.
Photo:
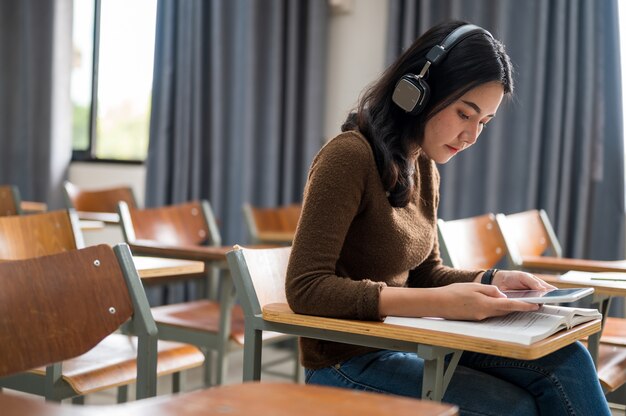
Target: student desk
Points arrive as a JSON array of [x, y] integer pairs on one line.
[[274, 237], [32, 207], [561, 265], [105, 217], [432, 346], [604, 290], [157, 270]]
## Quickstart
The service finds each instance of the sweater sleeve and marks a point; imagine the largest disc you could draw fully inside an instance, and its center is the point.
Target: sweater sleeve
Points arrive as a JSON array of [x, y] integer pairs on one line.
[[333, 195], [431, 272]]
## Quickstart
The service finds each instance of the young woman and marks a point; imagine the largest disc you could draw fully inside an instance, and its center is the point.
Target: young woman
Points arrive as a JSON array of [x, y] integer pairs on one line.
[[366, 245]]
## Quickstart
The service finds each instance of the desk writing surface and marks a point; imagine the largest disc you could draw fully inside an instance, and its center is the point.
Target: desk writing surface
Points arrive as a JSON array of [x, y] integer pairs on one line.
[[275, 236], [280, 313], [601, 287], [90, 225], [157, 267], [33, 207], [560, 264], [106, 217]]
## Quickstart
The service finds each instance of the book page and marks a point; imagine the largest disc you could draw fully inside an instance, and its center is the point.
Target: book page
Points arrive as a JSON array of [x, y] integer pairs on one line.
[[571, 313], [518, 327]]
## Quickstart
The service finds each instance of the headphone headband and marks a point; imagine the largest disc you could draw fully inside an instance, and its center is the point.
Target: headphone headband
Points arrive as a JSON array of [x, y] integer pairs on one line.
[[412, 91], [438, 52]]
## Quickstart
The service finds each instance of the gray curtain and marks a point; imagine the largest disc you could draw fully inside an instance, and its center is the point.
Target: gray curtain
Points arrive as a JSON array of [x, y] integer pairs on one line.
[[558, 144], [35, 108], [237, 106]]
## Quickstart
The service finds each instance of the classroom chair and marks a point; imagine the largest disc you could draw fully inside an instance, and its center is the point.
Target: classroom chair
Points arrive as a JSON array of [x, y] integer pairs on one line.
[[533, 245], [97, 289], [10, 201], [275, 225], [111, 363], [479, 243], [215, 322], [97, 204]]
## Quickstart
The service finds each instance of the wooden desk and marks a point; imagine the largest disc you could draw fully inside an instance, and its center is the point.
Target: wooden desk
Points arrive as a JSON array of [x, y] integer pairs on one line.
[[157, 270], [603, 292], [432, 346], [281, 237], [105, 217], [276, 399], [560, 264], [31, 207], [193, 252], [90, 225]]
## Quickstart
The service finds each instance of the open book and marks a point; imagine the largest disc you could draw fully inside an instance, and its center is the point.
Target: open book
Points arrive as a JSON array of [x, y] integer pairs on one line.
[[517, 327]]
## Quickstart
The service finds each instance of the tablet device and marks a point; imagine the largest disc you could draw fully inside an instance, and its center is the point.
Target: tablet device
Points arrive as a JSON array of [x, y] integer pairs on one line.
[[549, 296]]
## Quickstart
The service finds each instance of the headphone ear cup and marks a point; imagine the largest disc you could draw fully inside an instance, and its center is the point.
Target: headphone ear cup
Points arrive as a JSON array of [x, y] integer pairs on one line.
[[423, 85], [411, 94]]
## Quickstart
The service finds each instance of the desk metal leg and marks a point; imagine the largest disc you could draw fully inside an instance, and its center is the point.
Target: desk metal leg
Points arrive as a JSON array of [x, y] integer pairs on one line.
[[252, 354], [436, 374], [602, 303]]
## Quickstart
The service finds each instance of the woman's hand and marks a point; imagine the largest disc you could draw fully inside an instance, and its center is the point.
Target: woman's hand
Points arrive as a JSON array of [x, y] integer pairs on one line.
[[516, 280], [463, 301], [475, 301]]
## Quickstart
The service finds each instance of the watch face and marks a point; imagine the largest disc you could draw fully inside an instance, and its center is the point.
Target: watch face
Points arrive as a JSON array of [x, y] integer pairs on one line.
[[407, 95]]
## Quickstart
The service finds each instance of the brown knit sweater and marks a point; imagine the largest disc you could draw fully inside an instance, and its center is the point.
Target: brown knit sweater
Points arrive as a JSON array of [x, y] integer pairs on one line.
[[350, 242]]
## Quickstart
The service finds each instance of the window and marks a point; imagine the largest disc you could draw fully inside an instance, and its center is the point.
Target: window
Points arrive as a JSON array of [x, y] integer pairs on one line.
[[113, 61]]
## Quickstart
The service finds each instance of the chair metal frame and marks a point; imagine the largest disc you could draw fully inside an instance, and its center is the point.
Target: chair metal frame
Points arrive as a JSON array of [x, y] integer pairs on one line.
[[219, 289]]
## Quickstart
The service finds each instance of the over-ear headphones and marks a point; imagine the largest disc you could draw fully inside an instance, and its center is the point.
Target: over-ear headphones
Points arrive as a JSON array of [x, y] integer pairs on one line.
[[412, 91]]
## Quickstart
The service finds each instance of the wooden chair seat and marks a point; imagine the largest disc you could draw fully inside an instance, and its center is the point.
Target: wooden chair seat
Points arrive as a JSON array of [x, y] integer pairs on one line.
[[276, 399], [611, 366], [204, 315], [614, 331], [113, 362]]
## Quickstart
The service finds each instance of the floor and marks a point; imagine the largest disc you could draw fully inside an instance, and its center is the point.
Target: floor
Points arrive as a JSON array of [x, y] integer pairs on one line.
[[193, 379]]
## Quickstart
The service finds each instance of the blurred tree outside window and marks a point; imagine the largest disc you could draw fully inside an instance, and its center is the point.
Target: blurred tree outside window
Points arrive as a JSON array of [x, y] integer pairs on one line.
[[113, 61]]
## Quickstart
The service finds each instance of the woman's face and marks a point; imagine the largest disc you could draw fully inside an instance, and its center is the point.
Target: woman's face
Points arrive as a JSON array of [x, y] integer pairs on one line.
[[458, 126]]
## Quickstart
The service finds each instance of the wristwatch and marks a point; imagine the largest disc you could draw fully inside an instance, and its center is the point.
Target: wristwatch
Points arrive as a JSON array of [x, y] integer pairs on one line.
[[488, 276]]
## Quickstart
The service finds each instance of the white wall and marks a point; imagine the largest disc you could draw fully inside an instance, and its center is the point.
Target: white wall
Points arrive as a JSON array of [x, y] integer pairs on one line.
[[356, 49], [356, 44]]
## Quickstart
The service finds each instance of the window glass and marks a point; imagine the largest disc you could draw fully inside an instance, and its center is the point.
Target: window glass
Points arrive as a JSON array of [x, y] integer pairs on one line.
[[126, 56], [82, 69]]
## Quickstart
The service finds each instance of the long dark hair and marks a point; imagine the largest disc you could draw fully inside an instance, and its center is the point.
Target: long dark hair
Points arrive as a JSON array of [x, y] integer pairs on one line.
[[396, 136]]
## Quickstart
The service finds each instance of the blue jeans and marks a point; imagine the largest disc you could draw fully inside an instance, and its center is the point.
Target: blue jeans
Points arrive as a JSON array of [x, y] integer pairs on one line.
[[562, 383]]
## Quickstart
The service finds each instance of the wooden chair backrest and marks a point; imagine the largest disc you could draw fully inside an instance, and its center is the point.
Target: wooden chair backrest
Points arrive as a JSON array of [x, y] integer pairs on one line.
[[26, 236], [98, 200], [259, 276], [57, 307], [9, 201], [276, 219], [190, 223], [530, 232], [471, 243]]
